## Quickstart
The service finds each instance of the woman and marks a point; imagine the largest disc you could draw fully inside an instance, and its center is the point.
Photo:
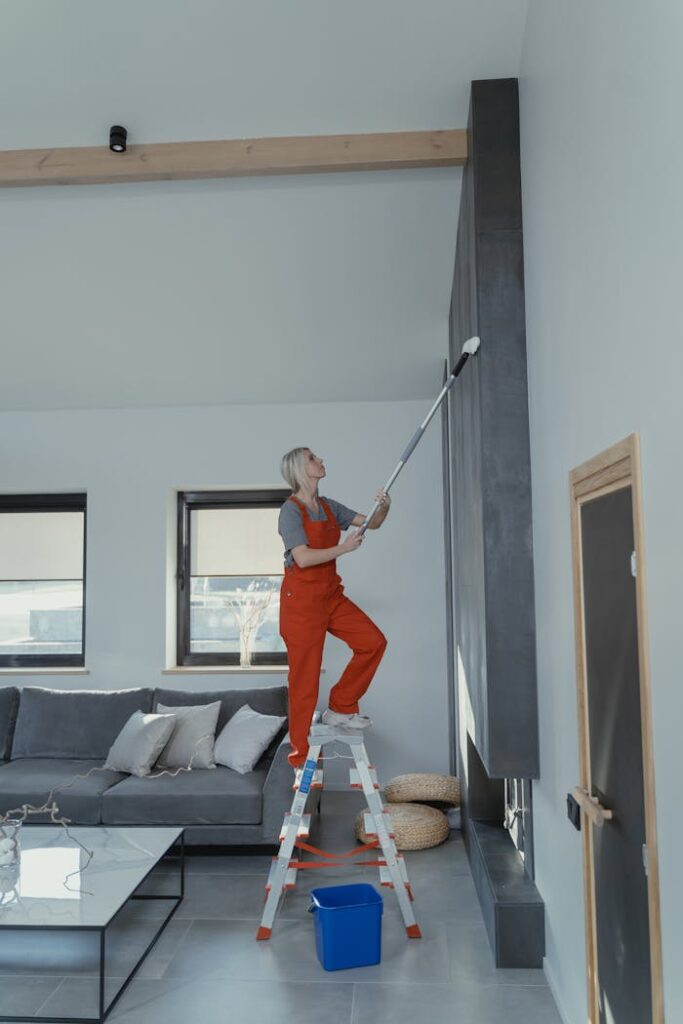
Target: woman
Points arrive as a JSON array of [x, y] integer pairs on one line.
[[312, 601]]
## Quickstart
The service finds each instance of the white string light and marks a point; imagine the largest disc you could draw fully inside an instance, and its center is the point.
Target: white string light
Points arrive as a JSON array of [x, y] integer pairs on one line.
[[51, 807]]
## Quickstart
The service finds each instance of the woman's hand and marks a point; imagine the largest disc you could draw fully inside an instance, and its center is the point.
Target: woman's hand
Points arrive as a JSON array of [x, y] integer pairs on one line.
[[353, 541], [383, 502]]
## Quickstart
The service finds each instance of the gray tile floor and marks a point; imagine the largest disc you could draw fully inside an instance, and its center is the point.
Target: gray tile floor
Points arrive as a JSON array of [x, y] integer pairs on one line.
[[207, 967]]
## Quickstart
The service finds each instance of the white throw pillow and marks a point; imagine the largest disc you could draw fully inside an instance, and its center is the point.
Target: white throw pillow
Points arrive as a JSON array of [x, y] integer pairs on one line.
[[192, 740], [139, 743], [244, 738]]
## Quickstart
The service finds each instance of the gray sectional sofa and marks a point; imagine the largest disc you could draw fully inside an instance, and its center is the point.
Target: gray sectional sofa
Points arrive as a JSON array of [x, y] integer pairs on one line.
[[47, 737]]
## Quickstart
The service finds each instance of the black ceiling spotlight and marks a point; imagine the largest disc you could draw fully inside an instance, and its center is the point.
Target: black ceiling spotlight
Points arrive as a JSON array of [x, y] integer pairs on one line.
[[117, 138]]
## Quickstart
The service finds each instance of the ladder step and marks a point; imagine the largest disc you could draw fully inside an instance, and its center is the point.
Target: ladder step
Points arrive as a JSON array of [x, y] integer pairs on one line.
[[354, 778], [385, 876], [303, 830], [316, 783], [336, 734], [370, 828], [290, 877]]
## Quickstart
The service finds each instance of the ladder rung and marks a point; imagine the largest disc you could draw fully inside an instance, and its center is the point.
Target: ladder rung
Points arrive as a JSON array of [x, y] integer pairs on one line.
[[371, 829], [354, 778], [303, 830], [316, 783]]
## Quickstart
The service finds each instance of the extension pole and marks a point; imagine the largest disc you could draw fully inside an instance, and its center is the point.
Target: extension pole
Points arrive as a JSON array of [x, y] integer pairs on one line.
[[470, 348]]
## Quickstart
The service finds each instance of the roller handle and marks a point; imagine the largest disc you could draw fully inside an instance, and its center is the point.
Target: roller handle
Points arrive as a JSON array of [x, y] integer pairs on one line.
[[412, 444], [470, 348]]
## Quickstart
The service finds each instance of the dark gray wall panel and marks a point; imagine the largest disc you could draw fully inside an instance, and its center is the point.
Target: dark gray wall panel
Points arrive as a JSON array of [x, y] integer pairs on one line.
[[495, 633], [470, 633]]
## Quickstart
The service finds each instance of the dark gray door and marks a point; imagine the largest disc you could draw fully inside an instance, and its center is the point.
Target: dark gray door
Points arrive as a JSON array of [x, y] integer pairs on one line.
[[616, 769]]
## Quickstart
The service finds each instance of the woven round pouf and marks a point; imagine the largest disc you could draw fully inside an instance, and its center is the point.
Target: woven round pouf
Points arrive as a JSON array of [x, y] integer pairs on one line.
[[415, 826], [424, 788]]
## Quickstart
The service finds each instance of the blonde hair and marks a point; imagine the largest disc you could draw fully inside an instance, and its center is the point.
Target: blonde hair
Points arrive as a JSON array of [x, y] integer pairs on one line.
[[293, 467]]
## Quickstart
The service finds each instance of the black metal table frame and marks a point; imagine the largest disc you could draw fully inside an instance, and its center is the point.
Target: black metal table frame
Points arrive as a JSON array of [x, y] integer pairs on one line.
[[102, 930]]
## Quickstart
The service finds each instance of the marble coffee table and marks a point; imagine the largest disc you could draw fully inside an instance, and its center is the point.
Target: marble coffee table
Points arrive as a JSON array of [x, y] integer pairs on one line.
[[60, 903]]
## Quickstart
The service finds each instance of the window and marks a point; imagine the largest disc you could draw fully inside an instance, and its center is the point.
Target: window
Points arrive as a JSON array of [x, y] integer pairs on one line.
[[230, 566], [42, 580]]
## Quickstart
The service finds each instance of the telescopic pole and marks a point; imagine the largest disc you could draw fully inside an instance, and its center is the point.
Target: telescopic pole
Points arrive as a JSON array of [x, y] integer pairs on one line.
[[470, 348]]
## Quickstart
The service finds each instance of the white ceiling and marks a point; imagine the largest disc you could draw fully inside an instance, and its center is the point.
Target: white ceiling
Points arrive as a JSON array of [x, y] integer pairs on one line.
[[257, 290]]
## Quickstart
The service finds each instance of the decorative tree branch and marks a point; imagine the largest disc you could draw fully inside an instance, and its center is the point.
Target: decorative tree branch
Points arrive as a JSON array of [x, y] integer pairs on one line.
[[249, 608]]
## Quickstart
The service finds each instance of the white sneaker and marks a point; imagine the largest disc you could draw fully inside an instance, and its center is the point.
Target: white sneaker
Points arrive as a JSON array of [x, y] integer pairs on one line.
[[354, 721]]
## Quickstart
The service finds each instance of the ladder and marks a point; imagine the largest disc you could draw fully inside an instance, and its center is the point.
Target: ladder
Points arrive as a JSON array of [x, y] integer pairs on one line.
[[296, 827]]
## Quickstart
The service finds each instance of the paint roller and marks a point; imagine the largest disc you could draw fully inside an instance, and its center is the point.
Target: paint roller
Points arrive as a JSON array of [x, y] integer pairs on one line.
[[470, 348]]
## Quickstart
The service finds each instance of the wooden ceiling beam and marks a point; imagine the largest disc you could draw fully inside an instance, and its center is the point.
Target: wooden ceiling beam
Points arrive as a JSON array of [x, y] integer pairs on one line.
[[233, 158]]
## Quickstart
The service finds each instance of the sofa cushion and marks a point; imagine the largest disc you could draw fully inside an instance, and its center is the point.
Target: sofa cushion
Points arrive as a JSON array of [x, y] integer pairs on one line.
[[73, 723], [245, 738], [29, 781], [215, 797], [193, 736], [269, 700], [138, 745], [9, 703]]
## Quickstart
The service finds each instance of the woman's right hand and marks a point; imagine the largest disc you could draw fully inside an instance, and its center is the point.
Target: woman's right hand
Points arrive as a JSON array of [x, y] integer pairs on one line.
[[353, 541]]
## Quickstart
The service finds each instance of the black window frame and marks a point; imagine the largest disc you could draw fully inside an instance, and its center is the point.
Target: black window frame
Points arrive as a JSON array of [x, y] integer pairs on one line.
[[189, 501], [76, 502]]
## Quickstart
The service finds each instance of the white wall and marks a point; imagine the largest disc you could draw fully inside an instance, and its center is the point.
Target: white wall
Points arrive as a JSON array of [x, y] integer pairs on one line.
[[131, 462], [602, 154], [337, 272]]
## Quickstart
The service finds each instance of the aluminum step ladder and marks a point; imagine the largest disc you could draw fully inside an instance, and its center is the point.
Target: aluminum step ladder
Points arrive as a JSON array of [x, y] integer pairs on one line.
[[296, 827]]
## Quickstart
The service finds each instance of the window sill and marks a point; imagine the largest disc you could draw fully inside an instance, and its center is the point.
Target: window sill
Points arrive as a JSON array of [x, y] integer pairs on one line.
[[38, 671], [203, 670]]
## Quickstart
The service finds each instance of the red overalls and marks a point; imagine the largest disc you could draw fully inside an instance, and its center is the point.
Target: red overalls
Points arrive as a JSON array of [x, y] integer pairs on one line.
[[312, 603]]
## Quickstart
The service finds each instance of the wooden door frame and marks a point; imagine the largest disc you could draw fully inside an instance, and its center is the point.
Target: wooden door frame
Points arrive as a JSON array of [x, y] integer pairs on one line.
[[614, 469]]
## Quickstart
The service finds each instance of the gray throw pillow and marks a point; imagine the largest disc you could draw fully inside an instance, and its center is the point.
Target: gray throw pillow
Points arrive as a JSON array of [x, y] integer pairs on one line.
[[192, 740], [140, 742], [245, 737]]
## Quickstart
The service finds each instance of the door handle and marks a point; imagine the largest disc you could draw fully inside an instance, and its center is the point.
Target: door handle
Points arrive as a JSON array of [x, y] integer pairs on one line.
[[592, 807]]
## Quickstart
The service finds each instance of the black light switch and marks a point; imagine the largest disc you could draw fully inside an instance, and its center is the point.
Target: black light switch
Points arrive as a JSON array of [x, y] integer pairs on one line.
[[573, 812]]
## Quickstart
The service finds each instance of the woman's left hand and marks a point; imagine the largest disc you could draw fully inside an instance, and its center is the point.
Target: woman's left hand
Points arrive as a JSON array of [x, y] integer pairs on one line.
[[383, 499]]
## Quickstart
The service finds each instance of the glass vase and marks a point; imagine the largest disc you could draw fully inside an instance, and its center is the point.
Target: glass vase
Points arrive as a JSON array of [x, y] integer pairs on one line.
[[10, 842], [245, 649]]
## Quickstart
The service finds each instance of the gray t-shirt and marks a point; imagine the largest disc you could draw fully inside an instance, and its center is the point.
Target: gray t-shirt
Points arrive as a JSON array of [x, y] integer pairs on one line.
[[291, 526]]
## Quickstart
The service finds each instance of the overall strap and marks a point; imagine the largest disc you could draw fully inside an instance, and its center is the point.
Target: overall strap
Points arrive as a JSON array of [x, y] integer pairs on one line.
[[304, 511], [327, 510], [299, 504]]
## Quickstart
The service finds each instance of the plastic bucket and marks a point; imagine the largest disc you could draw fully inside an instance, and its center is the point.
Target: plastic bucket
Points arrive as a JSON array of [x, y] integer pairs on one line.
[[348, 926]]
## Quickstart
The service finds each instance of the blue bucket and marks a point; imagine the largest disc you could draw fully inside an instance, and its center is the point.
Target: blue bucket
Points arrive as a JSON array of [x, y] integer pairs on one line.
[[348, 926]]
